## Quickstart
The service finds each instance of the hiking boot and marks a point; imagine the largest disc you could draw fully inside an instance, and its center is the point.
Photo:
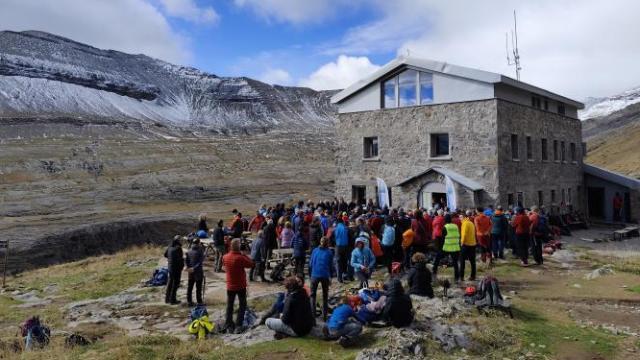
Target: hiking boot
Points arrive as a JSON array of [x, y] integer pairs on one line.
[[472, 278], [280, 336], [240, 330], [344, 341], [265, 280], [190, 304], [176, 302]]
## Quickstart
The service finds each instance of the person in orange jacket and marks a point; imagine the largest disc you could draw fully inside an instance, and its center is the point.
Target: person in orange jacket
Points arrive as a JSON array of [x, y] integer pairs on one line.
[[483, 234]]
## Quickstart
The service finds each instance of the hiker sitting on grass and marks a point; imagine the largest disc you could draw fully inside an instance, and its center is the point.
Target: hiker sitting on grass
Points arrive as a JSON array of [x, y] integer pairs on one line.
[[419, 277], [296, 319], [341, 327], [398, 309]]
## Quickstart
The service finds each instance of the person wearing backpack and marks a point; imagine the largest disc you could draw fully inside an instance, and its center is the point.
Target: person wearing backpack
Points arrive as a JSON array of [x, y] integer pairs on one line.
[[195, 262], [499, 228], [175, 264], [320, 272], [539, 230]]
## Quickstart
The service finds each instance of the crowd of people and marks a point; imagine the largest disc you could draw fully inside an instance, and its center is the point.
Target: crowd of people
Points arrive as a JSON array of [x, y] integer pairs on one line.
[[349, 242]]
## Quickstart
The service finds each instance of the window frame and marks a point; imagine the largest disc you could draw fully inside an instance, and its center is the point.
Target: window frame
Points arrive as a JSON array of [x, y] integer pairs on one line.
[[395, 77], [433, 146], [544, 149], [529, 148], [515, 145], [367, 148]]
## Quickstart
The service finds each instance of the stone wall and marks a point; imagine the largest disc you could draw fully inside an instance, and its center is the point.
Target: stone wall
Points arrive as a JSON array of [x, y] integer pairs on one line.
[[531, 176], [404, 147]]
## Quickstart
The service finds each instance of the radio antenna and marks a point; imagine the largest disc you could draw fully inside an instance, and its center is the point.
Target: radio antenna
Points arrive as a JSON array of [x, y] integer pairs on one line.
[[514, 47]]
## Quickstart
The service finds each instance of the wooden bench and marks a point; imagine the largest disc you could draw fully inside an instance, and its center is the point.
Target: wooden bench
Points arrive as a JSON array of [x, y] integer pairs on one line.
[[629, 231]]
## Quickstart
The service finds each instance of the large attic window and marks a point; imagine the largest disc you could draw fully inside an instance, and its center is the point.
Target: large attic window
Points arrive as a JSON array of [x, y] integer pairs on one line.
[[408, 88]]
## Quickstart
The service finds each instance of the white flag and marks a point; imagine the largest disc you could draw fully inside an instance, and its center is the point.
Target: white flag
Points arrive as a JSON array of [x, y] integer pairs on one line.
[[452, 202], [383, 193]]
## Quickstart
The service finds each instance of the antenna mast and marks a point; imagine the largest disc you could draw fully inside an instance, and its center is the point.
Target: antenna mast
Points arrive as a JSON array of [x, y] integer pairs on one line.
[[514, 47]]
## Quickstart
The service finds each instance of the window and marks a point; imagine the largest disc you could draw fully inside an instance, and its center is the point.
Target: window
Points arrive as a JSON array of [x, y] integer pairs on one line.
[[572, 150], [540, 198], [569, 196], [544, 153], [529, 149], [546, 105], [439, 145], [514, 147], [555, 150], [584, 149], [553, 196], [389, 100], [371, 147], [563, 152], [407, 90], [562, 198], [520, 199], [509, 199], [426, 88], [536, 102], [359, 194], [561, 109]]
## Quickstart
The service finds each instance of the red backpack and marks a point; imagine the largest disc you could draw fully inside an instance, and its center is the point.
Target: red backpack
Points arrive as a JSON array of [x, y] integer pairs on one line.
[[376, 248]]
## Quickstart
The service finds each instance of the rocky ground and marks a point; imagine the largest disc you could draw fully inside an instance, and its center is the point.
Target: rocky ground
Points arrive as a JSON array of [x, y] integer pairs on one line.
[[584, 303], [71, 187]]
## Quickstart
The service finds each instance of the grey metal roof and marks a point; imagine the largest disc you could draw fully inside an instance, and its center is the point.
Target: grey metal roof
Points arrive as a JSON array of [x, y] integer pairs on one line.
[[449, 69], [611, 176], [460, 179]]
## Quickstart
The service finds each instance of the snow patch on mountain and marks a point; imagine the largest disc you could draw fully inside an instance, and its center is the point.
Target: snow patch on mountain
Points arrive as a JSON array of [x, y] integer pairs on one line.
[[599, 107]]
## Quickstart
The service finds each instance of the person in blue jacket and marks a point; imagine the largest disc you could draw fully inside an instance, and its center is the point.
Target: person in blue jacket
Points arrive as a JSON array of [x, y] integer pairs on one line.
[[320, 267], [388, 239], [300, 245], [340, 326], [341, 236], [363, 262]]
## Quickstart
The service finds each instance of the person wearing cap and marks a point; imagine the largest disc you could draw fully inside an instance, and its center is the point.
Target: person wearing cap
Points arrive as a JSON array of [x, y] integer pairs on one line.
[[521, 226], [450, 247], [468, 242], [195, 268], [363, 262], [499, 227], [175, 264]]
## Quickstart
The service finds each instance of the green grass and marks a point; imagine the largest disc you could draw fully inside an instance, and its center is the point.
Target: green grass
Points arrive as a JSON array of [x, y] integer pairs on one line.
[[635, 289]]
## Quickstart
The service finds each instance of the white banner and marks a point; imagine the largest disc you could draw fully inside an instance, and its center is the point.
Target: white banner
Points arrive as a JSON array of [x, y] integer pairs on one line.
[[383, 193], [452, 202]]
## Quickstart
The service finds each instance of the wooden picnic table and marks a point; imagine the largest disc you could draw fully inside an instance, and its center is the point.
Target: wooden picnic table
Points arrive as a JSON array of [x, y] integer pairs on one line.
[[629, 231]]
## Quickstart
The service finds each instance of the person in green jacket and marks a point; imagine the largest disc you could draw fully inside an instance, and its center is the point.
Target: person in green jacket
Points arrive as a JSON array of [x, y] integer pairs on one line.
[[450, 247]]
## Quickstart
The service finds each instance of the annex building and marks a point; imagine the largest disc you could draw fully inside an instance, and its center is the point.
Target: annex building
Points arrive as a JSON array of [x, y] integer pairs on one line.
[[415, 123]]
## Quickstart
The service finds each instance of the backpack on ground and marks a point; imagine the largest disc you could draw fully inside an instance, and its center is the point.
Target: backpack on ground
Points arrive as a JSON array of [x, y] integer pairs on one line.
[[277, 274], [250, 318], [198, 312], [74, 340], [34, 333], [160, 277], [488, 293]]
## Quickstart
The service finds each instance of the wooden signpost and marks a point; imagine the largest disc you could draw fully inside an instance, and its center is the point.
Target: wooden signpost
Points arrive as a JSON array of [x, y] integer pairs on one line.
[[4, 244]]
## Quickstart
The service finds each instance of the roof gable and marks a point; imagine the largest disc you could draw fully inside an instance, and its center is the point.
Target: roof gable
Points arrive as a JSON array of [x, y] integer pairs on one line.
[[611, 176], [460, 179]]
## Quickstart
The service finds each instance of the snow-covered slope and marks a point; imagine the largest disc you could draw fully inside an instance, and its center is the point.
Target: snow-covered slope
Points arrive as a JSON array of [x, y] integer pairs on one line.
[[599, 107], [44, 74]]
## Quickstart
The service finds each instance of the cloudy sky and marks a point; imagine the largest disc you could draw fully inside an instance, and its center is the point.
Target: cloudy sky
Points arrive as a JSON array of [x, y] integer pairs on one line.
[[578, 48]]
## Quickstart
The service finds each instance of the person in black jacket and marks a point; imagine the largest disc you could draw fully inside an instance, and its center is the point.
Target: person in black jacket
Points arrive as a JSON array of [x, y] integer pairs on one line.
[[195, 268], [270, 239], [175, 264], [419, 276], [296, 319], [398, 310], [218, 242]]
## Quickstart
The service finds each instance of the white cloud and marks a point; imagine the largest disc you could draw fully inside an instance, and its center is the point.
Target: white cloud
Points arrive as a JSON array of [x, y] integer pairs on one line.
[[340, 73], [575, 47], [296, 11], [189, 10], [133, 26], [275, 77]]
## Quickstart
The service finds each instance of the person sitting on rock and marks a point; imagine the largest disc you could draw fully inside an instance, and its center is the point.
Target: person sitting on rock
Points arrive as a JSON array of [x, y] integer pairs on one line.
[[419, 276], [296, 319], [398, 309], [175, 264], [340, 325]]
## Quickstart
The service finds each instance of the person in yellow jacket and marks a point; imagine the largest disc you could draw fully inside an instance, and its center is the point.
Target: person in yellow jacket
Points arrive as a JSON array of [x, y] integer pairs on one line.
[[468, 242], [450, 247]]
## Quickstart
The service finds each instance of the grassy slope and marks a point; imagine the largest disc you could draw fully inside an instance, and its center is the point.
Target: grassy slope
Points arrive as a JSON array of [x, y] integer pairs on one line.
[[541, 328], [618, 151]]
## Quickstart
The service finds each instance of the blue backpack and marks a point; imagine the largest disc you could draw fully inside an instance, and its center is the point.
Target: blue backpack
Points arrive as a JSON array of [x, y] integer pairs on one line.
[[198, 312], [543, 225], [160, 277]]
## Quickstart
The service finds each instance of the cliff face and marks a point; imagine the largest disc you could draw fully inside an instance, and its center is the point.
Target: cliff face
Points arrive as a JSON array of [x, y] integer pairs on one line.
[[44, 74]]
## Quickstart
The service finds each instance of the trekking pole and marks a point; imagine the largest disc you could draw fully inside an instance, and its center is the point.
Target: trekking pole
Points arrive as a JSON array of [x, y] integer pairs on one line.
[[204, 285], [5, 245]]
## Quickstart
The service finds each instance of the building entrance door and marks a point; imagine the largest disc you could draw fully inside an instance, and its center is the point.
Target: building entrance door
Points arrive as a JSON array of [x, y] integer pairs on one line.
[[595, 199], [432, 193], [359, 194]]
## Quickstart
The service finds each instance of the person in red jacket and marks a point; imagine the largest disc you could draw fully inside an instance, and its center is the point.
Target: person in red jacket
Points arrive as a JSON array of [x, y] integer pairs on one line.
[[256, 223], [521, 225], [483, 234], [437, 225], [235, 264]]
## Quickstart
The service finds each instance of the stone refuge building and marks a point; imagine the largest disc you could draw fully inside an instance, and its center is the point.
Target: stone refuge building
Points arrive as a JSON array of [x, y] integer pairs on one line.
[[415, 122]]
